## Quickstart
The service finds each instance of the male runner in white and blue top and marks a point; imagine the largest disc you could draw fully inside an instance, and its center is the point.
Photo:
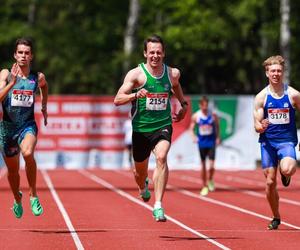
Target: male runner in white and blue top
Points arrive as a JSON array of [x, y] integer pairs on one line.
[[274, 119], [206, 135]]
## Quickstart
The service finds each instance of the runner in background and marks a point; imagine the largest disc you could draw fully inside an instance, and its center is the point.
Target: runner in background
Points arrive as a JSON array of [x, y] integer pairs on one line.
[[204, 128], [18, 128]]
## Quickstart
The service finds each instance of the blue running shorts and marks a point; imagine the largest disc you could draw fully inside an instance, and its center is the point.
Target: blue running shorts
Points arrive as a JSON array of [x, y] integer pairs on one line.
[[272, 153]]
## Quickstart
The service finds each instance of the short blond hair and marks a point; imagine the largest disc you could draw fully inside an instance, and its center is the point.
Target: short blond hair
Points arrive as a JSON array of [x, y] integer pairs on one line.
[[273, 60]]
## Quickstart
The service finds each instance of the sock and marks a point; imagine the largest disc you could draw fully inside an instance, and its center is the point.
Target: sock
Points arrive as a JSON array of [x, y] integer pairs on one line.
[[142, 191], [157, 204]]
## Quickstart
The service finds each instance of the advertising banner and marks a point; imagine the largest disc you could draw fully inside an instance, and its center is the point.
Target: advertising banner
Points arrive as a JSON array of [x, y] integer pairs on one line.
[[87, 132]]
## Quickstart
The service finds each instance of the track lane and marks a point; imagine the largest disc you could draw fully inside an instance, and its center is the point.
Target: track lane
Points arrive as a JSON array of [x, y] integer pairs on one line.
[[105, 219], [244, 225], [47, 231]]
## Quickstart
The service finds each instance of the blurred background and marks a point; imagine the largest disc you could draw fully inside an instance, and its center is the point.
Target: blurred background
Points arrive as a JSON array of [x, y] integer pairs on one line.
[[86, 48]]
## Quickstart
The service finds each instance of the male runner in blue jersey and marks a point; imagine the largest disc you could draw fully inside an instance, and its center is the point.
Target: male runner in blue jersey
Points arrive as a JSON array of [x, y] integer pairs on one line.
[[207, 137], [18, 127], [274, 119]]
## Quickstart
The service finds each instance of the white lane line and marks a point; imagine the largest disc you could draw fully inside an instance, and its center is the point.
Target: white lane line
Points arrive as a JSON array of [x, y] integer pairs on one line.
[[137, 201], [62, 210], [3, 172], [252, 193], [224, 204]]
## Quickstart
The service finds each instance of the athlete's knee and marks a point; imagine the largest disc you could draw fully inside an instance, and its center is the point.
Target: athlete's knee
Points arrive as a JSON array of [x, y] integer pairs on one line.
[[27, 153], [161, 159], [270, 183], [288, 168]]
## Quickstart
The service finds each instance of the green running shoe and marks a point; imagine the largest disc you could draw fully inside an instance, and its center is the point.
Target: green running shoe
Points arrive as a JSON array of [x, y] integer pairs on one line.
[[17, 207], [204, 191], [211, 186], [146, 195], [159, 215], [36, 206]]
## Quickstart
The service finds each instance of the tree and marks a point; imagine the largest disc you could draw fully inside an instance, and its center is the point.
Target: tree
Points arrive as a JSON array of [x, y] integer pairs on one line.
[[285, 37]]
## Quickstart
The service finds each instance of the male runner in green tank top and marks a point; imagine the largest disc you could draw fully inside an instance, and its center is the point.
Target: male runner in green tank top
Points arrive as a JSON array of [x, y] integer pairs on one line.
[[149, 88]]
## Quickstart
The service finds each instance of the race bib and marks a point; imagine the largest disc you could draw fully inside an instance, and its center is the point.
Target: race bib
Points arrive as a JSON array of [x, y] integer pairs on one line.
[[157, 101], [22, 98], [205, 129], [279, 116]]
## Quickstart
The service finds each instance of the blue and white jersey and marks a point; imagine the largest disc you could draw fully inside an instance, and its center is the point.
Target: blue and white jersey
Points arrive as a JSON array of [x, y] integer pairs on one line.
[[281, 116], [18, 106], [206, 130]]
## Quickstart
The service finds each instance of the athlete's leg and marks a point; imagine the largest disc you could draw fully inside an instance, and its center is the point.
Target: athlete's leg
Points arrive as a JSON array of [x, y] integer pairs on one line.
[[211, 157], [211, 170], [203, 173], [271, 190], [140, 172], [13, 176], [161, 172], [203, 154], [27, 149], [288, 166]]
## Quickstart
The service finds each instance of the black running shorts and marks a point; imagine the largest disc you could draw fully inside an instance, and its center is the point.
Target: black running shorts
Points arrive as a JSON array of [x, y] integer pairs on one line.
[[144, 143], [207, 152]]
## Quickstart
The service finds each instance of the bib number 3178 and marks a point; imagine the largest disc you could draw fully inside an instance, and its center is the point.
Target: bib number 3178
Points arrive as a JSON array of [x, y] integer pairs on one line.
[[279, 116]]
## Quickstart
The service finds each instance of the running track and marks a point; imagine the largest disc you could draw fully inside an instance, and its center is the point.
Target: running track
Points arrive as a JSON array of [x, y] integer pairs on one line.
[[99, 209]]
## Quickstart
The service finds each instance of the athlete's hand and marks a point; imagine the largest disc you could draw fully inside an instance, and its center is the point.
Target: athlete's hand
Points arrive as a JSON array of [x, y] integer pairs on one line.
[[141, 93], [264, 125], [45, 114], [15, 70], [180, 115]]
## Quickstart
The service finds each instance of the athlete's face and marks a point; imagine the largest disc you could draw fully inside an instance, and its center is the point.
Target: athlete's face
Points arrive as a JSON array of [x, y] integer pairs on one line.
[[23, 55], [275, 73], [203, 106], [154, 54]]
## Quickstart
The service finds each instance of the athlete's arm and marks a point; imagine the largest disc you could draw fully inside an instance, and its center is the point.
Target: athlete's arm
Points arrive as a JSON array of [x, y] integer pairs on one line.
[[295, 98], [260, 124], [192, 127], [217, 126], [176, 86], [43, 86], [132, 80], [4, 85]]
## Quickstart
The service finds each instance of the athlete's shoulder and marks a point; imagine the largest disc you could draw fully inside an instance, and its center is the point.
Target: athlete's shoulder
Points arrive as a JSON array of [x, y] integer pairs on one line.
[[41, 79], [174, 72], [262, 94]]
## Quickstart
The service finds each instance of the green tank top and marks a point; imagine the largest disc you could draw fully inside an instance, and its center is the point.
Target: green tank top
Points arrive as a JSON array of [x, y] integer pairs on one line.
[[154, 111]]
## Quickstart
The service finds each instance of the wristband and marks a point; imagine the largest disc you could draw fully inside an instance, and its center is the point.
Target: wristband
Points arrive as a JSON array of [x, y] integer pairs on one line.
[[184, 103]]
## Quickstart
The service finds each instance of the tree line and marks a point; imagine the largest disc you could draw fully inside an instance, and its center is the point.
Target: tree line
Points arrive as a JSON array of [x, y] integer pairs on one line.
[[86, 47]]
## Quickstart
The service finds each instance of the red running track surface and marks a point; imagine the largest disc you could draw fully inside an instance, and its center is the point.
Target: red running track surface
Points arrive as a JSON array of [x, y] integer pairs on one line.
[[100, 209]]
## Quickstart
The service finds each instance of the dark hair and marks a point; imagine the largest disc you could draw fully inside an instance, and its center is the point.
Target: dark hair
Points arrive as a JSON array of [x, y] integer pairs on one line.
[[24, 41], [204, 99], [154, 39]]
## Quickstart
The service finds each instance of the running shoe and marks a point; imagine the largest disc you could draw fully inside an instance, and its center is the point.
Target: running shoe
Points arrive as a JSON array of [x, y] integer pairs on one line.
[[285, 180], [17, 207], [204, 191], [159, 214], [274, 224], [211, 186], [146, 195], [36, 206]]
